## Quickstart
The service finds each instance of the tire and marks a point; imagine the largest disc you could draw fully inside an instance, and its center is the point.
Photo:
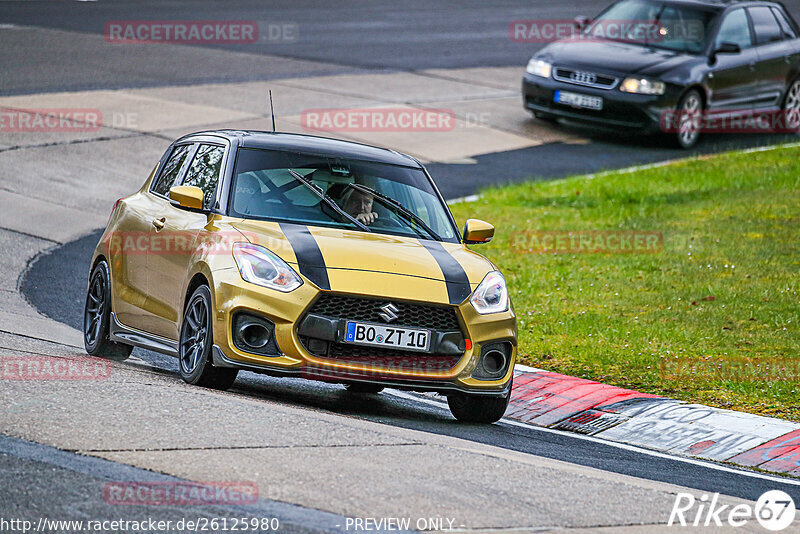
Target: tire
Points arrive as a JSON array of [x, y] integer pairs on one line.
[[195, 342], [97, 317], [363, 388], [791, 107], [476, 408], [689, 112]]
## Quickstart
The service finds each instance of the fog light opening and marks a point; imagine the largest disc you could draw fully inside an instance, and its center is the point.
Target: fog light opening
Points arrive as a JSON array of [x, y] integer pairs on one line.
[[254, 335], [494, 362]]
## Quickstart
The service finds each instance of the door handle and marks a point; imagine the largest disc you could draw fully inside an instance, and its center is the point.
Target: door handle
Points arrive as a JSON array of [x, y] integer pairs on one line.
[[752, 67], [159, 223]]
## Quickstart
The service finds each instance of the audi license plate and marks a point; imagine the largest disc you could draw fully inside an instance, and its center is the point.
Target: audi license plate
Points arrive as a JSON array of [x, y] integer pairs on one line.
[[387, 336], [578, 100]]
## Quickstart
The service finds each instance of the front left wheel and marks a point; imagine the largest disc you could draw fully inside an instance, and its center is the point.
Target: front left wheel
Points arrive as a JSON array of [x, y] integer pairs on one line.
[[690, 117], [97, 317], [195, 343]]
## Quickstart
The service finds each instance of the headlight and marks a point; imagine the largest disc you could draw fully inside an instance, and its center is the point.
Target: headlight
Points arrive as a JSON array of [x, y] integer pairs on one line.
[[491, 296], [537, 67], [260, 266], [643, 86]]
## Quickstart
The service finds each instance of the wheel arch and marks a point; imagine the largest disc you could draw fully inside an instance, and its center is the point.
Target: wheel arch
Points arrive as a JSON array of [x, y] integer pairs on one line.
[[199, 279], [700, 89]]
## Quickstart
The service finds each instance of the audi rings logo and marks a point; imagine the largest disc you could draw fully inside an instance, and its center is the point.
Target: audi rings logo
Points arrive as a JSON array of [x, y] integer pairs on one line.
[[583, 77], [388, 312]]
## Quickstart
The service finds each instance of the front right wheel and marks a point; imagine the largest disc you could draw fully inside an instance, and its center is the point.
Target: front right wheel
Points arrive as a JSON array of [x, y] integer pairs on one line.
[[477, 408], [195, 345]]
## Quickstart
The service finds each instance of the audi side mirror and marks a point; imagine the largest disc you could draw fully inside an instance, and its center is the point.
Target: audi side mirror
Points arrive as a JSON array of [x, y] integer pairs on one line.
[[581, 22], [728, 48]]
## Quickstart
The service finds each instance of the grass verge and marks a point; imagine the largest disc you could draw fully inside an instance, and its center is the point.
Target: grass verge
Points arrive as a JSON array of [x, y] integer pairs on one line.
[[707, 314]]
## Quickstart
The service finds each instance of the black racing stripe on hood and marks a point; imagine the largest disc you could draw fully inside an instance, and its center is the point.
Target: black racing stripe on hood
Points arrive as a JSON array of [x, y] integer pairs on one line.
[[454, 275], [309, 256]]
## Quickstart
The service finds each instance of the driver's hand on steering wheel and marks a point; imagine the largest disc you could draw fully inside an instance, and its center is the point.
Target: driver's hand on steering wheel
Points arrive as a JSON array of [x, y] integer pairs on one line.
[[367, 218]]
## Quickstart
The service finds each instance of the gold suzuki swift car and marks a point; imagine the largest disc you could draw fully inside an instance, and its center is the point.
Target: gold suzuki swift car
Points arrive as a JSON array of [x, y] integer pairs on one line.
[[293, 255]]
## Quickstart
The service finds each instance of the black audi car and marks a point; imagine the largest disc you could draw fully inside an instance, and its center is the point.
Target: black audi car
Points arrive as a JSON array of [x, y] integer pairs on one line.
[[667, 65]]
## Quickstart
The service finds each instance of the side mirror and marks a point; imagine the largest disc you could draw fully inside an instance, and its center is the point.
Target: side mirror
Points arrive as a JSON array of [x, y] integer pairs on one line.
[[187, 196], [728, 48], [581, 22], [476, 231]]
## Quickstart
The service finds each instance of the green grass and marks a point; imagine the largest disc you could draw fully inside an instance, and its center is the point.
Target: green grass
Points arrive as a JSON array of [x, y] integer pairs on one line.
[[711, 318]]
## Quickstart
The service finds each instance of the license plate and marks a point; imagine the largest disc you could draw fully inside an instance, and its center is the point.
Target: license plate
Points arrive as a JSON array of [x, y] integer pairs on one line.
[[578, 100], [387, 336]]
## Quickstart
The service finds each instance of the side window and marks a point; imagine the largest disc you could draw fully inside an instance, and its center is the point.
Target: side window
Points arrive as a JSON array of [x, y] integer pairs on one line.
[[735, 29], [766, 27], [786, 27], [171, 170], [204, 172]]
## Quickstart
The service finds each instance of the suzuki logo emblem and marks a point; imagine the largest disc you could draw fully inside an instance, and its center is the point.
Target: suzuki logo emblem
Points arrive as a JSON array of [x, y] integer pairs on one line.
[[583, 77], [388, 312]]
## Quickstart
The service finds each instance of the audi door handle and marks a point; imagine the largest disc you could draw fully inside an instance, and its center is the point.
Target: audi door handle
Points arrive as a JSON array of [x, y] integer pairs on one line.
[[159, 223]]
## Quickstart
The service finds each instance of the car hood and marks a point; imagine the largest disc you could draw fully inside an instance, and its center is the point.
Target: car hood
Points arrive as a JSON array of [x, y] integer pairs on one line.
[[612, 57], [372, 263]]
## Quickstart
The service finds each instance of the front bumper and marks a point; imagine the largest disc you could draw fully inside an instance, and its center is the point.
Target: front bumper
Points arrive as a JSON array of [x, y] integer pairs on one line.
[[622, 111], [232, 296]]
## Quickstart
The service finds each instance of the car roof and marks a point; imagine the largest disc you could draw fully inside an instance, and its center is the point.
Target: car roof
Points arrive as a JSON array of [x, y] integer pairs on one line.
[[722, 4], [312, 144]]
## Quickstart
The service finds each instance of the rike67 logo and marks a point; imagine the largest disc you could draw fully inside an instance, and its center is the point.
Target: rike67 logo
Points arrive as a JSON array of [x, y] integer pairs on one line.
[[774, 510]]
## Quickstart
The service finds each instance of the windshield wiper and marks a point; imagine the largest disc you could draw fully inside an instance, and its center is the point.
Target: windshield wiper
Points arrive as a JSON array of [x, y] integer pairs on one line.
[[328, 200], [397, 208]]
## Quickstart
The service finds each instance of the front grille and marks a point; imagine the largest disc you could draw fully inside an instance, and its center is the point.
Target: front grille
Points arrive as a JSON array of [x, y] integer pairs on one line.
[[427, 316], [587, 79], [392, 359]]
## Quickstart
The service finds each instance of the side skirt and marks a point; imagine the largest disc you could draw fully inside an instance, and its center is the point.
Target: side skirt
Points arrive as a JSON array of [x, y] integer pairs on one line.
[[124, 334]]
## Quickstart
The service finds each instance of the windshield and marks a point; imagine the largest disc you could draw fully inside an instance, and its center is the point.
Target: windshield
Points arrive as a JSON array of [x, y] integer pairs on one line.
[[668, 26], [346, 193]]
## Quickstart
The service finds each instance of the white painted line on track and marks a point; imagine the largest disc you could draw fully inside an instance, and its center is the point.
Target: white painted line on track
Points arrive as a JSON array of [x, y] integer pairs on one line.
[[459, 200], [624, 446]]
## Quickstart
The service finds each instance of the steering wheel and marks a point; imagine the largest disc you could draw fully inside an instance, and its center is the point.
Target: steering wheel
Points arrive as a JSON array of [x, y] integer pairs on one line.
[[387, 222]]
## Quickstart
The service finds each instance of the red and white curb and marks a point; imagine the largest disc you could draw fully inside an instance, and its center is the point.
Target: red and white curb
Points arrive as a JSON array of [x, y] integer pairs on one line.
[[616, 414], [640, 421]]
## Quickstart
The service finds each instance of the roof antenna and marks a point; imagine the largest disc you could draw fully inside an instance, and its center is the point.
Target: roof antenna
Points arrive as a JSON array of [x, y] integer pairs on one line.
[[272, 111]]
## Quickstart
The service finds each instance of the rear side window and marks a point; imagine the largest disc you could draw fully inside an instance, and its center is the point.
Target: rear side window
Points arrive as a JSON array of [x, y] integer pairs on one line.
[[204, 172], [765, 25], [735, 29], [171, 170], [786, 26]]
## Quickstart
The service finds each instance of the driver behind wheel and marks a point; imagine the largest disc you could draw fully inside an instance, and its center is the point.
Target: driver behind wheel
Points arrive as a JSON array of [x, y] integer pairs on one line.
[[359, 205]]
